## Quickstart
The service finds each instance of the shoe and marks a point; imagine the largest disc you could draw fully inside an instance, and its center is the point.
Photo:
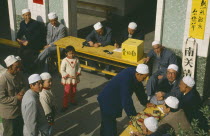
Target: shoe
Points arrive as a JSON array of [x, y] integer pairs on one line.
[[108, 76], [64, 109]]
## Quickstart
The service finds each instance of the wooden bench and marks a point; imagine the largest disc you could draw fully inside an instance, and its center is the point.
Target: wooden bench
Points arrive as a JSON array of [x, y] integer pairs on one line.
[[107, 9]]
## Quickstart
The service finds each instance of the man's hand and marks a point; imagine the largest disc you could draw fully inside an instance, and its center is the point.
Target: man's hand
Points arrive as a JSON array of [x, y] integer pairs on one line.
[[150, 105], [160, 95], [25, 43], [146, 59], [91, 43], [19, 97], [135, 134], [47, 46], [116, 45], [97, 45], [21, 93], [160, 77]]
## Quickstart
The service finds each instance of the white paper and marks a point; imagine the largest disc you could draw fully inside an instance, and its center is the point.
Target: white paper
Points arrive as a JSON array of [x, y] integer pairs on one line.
[[118, 50]]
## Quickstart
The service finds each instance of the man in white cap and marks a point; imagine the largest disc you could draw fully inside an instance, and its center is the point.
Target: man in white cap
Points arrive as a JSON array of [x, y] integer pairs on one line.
[[174, 117], [190, 100], [117, 95], [35, 122], [100, 36], [167, 86], [31, 38], [131, 32], [12, 89], [55, 31], [160, 58]]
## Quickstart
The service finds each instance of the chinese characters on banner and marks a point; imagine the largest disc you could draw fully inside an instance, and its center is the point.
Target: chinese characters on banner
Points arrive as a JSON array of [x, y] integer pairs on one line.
[[198, 18], [38, 1], [189, 58]]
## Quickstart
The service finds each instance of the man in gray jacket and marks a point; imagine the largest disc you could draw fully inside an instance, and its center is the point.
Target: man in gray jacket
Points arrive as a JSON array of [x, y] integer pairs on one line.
[[12, 89], [55, 31], [35, 122]]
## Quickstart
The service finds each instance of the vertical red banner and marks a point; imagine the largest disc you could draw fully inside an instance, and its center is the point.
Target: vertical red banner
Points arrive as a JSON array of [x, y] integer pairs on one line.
[[38, 1]]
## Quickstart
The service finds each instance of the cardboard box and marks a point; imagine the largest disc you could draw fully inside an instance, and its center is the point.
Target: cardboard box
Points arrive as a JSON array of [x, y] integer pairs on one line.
[[133, 50]]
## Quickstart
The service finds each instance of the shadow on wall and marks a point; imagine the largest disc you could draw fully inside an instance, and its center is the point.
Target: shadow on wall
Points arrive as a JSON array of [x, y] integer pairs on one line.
[[206, 93]]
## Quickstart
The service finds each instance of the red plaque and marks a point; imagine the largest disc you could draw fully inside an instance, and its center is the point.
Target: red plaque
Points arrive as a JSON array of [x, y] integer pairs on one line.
[[38, 1]]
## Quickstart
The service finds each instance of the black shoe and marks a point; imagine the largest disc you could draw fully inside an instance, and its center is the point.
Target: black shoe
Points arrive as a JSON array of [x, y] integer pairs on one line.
[[64, 109]]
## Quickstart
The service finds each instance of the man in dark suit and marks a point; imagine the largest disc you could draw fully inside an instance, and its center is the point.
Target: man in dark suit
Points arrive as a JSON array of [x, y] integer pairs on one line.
[[130, 32], [117, 95], [190, 100], [100, 36], [31, 38]]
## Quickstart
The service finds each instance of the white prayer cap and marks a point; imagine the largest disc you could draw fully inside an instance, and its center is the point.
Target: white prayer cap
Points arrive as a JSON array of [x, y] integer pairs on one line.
[[132, 25], [18, 58], [34, 78], [142, 69], [45, 76], [11, 59], [172, 102], [98, 26], [174, 67], [25, 11], [189, 81], [155, 43], [151, 124], [52, 15]]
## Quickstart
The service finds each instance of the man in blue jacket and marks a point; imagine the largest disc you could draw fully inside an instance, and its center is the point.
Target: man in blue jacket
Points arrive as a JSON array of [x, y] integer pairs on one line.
[[117, 95]]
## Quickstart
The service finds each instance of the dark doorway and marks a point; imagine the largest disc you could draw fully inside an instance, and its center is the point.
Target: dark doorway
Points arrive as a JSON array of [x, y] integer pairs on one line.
[[4, 20]]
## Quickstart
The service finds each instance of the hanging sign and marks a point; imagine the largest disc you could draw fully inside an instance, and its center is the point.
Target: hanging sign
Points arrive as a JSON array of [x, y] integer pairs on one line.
[[198, 18]]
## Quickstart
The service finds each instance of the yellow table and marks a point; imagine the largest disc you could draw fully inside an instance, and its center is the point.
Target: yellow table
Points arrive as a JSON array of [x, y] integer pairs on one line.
[[93, 53], [130, 128]]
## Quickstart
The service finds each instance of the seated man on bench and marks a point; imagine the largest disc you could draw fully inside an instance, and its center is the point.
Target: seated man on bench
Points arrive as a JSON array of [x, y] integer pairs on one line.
[[55, 31]]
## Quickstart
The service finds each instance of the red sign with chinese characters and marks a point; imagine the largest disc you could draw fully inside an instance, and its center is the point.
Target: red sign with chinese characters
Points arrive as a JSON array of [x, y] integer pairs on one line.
[[38, 1]]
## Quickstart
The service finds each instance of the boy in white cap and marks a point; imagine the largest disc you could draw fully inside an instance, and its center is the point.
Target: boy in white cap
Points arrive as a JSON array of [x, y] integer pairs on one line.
[[12, 89], [131, 32], [47, 99], [117, 95], [159, 58], [55, 31], [100, 36], [31, 38], [174, 117], [168, 86], [190, 100], [35, 122]]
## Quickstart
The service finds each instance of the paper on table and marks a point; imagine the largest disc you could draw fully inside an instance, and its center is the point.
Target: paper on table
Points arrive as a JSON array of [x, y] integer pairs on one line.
[[118, 50]]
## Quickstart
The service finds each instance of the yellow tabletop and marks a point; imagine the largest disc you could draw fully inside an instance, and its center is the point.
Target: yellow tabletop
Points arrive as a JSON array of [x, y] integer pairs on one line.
[[131, 128], [97, 52]]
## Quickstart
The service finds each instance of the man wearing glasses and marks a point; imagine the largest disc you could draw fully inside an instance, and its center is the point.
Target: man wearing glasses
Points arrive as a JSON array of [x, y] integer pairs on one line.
[[160, 58]]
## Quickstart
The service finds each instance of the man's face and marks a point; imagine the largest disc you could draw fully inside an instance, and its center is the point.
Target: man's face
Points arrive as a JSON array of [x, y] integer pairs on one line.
[[27, 16], [157, 49], [182, 87], [131, 31], [37, 87], [54, 22], [171, 75], [165, 109], [100, 31], [141, 77], [15, 68]]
